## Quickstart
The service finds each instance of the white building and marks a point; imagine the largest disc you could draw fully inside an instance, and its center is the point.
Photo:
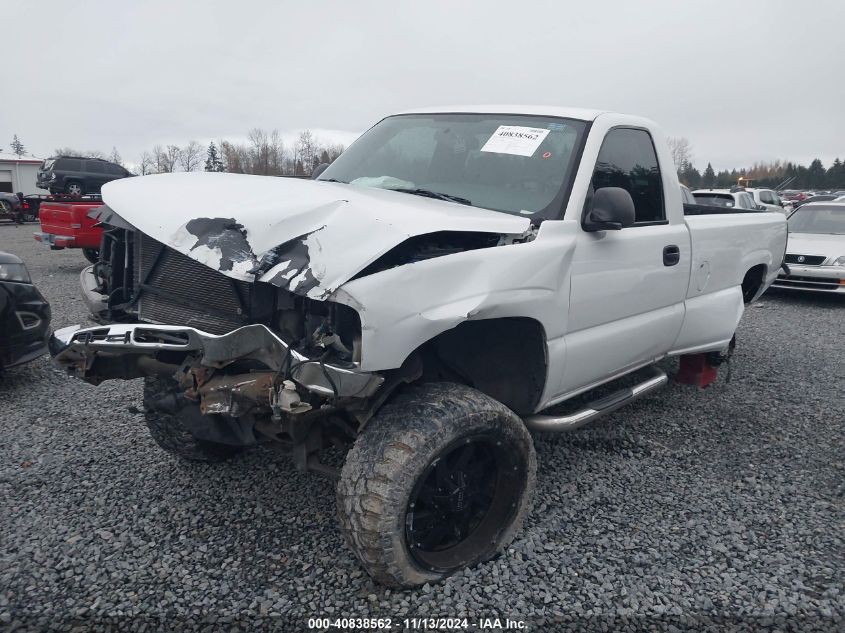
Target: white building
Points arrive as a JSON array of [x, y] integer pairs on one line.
[[18, 173]]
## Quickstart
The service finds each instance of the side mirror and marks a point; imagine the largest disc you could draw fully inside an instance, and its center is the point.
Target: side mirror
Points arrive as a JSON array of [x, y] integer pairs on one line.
[[610, 209], [319, 169]]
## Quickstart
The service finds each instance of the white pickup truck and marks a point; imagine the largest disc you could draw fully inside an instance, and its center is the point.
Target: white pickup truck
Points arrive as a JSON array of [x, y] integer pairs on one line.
[[423, 303]]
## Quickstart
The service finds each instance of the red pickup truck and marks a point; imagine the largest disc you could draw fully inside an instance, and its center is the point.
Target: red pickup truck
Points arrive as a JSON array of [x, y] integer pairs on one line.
[[65, 224]]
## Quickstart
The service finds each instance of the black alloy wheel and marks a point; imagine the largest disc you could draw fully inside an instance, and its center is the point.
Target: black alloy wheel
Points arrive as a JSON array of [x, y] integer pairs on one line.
[[460, 502]]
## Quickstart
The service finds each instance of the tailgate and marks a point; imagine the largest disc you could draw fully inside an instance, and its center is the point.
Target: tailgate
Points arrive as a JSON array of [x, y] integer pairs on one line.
[[71, 219]]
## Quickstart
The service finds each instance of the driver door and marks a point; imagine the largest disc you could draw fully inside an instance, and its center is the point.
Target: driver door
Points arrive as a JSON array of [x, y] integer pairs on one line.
[[628, 286]]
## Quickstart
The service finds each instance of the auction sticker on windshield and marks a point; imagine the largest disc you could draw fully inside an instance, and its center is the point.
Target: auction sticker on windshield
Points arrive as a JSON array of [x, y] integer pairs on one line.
[[516, 140]]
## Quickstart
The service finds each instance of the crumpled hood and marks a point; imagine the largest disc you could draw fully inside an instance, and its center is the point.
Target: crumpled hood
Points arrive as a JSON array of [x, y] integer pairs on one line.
[[307, 236], [816, 244]]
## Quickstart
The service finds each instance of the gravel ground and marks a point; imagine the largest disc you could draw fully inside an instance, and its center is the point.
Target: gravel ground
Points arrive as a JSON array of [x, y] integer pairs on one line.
[[707, 510]]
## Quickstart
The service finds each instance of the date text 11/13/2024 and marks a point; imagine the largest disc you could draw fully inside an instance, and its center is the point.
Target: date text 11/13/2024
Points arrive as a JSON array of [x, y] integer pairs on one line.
[[429, 624]]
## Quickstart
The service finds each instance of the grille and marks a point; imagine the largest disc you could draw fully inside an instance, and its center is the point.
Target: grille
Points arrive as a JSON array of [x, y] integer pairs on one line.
[[177, 290], [809, 260], [798, 281]]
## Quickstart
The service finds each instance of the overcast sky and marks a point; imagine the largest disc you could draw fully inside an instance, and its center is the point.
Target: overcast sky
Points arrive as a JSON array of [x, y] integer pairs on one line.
[[743, 81]]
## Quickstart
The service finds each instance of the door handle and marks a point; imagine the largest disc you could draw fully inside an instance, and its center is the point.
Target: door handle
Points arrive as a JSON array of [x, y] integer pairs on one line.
[[671, 255]]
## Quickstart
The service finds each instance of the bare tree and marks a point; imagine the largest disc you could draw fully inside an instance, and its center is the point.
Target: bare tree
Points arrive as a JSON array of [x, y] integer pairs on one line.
[[115, 156], [190, 156], [259, 152], [306, 146], [681, 151], [167, 158], [69, 151], [146, 166]]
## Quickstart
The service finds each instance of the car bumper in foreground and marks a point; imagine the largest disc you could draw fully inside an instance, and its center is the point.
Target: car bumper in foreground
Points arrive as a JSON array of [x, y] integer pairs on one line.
[[830, 279], [22, 353]]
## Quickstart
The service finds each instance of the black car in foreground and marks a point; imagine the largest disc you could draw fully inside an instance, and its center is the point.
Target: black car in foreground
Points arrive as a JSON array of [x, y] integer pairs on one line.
[[24, 314], [76, 175]]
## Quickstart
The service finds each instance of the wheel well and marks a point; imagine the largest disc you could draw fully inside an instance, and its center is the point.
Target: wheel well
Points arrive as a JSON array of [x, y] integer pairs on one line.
[[752, 282], [504, 358]]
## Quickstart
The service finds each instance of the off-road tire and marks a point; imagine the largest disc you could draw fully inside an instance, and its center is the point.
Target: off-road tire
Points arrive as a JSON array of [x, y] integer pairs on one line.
[[170, 434], [91, 254], [393, 454]]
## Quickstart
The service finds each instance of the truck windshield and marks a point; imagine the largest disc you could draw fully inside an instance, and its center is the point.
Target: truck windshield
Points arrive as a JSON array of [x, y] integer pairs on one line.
[[818, 219], [511, 163]]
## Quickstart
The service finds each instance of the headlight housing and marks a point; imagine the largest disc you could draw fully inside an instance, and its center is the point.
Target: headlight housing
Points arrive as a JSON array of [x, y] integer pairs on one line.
[[14, 272], [840, 261]]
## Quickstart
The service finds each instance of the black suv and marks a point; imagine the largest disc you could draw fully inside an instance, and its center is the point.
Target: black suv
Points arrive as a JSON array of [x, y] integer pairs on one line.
[[76, 175]]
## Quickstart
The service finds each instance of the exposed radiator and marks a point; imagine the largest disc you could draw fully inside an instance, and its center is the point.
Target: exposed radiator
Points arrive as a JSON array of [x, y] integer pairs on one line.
[[181, 291]]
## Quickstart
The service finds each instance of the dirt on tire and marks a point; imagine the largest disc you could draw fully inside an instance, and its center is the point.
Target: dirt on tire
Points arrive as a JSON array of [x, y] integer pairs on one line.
[[391, 454]]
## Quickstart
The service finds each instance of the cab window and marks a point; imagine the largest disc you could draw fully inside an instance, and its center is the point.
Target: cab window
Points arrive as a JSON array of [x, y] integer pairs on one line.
[[627, 159]]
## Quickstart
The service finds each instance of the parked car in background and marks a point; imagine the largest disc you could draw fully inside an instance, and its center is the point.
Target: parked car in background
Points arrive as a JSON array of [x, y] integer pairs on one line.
[[24, 314], [739, 199], [65, 224], [815, 251], [826, 197], [766, 198], [425, 301], [11, 207], [77, 175], [792, 195]]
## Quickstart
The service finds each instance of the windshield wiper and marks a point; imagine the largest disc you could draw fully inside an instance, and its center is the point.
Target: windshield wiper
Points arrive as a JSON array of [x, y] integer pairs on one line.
[[427, 193], [343, 182]]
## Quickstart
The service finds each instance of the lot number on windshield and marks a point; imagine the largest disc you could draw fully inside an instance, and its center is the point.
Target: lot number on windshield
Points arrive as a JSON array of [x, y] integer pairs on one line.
[[515, 139]]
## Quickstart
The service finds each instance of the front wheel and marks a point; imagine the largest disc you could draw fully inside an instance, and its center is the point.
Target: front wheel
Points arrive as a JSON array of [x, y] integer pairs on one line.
[[91, 254], [439, 480]]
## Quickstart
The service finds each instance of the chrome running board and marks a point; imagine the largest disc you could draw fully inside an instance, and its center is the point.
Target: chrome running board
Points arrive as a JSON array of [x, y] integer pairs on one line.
[[597, 408]]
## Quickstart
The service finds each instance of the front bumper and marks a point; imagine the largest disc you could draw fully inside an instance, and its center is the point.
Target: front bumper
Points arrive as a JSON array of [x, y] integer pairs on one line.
[[829, 279], [112, 351]]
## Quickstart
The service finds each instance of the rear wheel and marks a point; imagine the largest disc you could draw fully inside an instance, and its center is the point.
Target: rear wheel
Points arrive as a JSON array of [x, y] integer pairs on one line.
[[441, 479], [91, 254], [164, 414]]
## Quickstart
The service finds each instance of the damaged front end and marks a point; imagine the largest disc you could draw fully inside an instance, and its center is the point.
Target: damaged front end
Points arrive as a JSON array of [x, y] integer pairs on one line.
[[198, 359], [242, 315]]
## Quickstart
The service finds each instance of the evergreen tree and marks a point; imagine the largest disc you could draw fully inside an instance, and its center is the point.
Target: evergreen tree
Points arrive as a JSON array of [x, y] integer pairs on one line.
[[213, 161], [689, 175], [816, 175], [836, 175], [17, 147], [708, 180]]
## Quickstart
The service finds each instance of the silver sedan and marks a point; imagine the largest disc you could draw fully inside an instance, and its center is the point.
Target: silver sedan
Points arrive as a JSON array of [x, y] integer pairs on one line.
[[815, 251]]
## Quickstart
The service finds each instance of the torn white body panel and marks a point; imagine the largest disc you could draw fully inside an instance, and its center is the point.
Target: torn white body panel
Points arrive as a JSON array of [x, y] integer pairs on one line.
[[231, 221]]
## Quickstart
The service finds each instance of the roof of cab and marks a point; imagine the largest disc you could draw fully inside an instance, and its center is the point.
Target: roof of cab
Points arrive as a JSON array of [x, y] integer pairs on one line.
[[583, 114]]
